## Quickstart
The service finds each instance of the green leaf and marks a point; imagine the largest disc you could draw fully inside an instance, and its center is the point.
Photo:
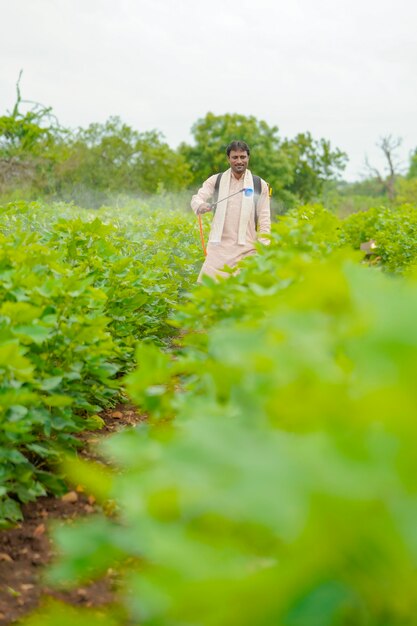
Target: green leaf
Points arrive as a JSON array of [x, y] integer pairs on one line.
[[12, 359], [94, 477], [48, 384], [20, 312], [34, 333], [9, 511], [58, 400], [53, 612]]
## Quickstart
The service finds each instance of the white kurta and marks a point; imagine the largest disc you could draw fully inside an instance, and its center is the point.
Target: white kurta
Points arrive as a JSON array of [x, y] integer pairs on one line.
[[229, 252]]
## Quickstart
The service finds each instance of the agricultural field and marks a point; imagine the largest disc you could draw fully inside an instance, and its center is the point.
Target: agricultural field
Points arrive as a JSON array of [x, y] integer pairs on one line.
[[78, 290], [273, 479]]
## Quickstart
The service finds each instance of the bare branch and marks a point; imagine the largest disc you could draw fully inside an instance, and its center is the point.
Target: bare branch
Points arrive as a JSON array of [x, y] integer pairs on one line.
[[18, 96], [373, 170], [389, 145]]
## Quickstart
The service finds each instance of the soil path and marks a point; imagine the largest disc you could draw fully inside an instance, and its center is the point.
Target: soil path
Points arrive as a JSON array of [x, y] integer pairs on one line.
[[26, 549]]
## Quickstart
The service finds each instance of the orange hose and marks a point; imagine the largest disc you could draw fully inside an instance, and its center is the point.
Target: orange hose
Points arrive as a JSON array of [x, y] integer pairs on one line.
[[203, 245]]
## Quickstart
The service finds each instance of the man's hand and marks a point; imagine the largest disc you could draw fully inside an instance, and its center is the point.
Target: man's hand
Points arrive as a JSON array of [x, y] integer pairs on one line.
[[203, 208]]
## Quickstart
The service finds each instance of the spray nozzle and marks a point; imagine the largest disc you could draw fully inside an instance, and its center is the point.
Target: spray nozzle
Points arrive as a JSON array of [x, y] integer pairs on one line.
[[247, 191]]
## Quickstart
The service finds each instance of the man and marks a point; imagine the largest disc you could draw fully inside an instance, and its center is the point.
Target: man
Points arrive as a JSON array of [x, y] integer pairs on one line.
[[233, 231]]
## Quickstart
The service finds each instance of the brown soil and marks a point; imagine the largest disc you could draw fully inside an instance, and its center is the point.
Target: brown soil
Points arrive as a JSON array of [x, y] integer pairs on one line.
[[26, 549]]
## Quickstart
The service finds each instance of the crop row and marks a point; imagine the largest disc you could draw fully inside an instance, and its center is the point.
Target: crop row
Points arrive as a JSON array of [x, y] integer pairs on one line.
[[77, 291], [274, 482]]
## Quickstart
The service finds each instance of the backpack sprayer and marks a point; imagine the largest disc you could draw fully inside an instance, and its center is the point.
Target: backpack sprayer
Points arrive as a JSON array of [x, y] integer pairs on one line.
[[247, 191]]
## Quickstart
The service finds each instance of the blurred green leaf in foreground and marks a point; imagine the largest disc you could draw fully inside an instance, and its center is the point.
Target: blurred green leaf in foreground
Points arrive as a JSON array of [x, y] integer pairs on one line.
[[284, 491]]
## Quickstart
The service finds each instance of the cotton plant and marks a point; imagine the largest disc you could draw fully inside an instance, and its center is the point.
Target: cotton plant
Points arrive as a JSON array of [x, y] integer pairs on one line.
[[274, 482]]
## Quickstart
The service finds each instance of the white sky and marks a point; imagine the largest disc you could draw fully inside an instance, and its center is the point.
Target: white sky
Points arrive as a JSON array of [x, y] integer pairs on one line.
[[345, 70]]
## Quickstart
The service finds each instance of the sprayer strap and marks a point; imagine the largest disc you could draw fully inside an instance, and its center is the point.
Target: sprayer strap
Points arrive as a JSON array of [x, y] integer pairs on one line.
[[257, 184]]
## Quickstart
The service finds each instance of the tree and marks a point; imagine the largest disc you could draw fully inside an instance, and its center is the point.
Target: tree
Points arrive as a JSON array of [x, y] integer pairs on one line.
[[389, 146], [296, 169], [314, 162], [406, 191], [213, 133], [412, 171], [113, 157], [39, 157], [157, 165], [28, 144]]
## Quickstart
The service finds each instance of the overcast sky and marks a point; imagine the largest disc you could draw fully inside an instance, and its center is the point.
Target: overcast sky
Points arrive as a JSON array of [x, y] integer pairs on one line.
[[345, 70]]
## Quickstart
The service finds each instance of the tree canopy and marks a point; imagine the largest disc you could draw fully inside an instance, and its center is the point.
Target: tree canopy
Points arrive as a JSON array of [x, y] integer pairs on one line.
[[313, 163], [43, 158], [113, 157], [296, 169], [412, 171]]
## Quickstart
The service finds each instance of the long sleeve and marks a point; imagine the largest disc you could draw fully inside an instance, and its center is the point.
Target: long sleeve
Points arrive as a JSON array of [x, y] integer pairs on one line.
[[264, 213], [204, 193]]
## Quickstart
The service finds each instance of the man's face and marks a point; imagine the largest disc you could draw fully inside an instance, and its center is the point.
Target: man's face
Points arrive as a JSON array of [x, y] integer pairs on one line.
[[238, 160]]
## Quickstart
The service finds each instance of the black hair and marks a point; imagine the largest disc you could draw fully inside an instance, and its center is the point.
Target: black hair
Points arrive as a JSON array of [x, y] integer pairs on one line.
[[237, 145]]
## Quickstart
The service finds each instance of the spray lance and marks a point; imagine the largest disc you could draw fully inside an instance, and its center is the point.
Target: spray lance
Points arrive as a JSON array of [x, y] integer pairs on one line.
[[247, 191]]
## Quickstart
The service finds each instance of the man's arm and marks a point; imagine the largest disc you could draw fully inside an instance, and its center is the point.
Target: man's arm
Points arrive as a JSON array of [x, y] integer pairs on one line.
[[264, 213], [199, 202]]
